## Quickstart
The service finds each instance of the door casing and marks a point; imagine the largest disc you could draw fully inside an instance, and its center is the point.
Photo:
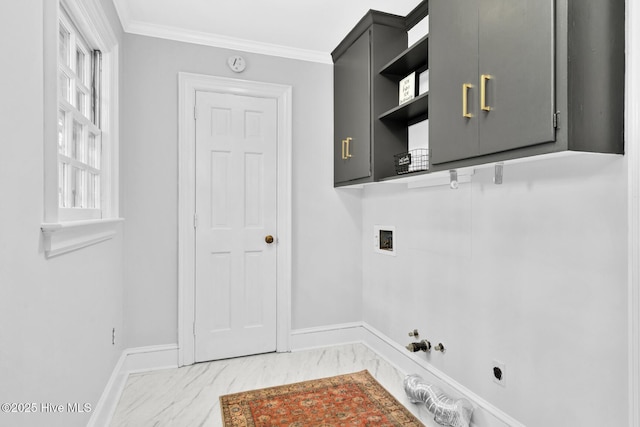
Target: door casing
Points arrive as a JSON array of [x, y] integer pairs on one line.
[[189, 84]]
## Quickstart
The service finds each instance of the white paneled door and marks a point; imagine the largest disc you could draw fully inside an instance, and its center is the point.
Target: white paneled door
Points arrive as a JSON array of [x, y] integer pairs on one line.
[[236, 236]]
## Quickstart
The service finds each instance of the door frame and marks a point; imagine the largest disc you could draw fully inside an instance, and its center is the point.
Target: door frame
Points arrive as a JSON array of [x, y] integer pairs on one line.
[[189, 84]]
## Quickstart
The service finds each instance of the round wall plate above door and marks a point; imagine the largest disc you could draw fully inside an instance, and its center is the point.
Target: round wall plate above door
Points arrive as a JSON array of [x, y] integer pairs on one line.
[[237, 63]]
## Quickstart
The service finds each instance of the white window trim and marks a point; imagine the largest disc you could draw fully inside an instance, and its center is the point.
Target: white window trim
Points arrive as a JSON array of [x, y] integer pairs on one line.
[[65, 236], [69, 236]]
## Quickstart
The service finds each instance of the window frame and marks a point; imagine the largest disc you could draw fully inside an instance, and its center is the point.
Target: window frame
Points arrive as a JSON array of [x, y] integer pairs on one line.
[[79, 81], [68, 229]]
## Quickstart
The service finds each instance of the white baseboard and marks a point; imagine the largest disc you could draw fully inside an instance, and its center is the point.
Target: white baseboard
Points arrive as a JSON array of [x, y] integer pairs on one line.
[[485, 414], [134, 360], [346, 333], [146, 359]]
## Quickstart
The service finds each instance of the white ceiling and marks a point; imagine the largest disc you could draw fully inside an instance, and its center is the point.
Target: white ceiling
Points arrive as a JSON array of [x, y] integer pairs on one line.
[[307, 30]]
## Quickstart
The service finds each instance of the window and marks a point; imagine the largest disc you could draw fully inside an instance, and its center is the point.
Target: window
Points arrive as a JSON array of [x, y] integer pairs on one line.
[[79, 134], [81, 126]]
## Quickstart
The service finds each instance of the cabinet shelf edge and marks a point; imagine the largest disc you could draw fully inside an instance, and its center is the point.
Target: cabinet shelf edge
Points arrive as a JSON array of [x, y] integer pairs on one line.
[[413, 111], [414, 57]]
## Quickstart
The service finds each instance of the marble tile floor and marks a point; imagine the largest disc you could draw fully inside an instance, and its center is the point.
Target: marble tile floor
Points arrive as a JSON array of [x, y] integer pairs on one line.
[[189, 396]]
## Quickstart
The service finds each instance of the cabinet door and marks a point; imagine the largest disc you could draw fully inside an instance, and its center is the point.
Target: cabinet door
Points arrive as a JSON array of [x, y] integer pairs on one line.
[[516, 49], [453, 62], [352, 109]]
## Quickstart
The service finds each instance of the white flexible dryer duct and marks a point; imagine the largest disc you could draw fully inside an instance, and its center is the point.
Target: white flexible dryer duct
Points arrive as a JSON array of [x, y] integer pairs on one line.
[[446, 411]]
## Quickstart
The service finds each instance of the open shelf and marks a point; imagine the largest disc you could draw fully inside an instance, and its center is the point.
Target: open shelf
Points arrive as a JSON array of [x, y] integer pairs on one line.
[[410, 112], [362, 85], [413, 58]]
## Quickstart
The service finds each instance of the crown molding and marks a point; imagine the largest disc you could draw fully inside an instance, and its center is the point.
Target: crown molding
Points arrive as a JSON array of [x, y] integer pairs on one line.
[[132, 26], [122, 9], [225, 42]]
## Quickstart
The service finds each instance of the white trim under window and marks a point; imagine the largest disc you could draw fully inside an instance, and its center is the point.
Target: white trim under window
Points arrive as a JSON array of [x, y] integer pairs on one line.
[[88, 214]]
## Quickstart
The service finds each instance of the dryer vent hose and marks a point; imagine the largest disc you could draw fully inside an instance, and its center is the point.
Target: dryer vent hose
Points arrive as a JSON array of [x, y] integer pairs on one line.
[[446, 411]]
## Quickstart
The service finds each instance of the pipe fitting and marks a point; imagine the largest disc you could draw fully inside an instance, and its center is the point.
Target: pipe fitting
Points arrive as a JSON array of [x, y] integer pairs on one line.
[[423, 345]]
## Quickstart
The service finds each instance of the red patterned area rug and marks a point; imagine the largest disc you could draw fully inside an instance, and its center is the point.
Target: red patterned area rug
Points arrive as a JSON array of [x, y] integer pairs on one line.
[[354, 400]]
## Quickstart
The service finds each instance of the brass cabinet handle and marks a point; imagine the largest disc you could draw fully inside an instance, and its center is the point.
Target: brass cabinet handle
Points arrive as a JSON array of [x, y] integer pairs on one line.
[[483, 92], [268, 239], [345, 148], [465, 100]]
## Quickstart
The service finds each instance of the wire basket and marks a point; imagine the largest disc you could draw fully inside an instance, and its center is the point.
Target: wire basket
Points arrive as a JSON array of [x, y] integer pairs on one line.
[[412, 161]]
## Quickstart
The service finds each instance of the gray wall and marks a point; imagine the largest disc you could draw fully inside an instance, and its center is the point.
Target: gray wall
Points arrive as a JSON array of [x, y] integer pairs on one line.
[[326, 224], [532, 273], [56, 314]]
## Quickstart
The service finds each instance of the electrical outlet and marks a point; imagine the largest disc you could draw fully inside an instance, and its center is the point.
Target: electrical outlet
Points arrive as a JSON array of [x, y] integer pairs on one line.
[[498, 373]]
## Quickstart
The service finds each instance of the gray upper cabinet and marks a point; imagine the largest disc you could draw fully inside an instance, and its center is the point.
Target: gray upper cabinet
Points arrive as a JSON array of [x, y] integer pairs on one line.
[[363, 144], [492, 76], [453, 49], [507, 79], [352, 142], [518, 78], [516, 51]]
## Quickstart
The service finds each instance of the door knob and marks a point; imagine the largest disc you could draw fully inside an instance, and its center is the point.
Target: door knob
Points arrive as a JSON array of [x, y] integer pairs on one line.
[[269, 239]]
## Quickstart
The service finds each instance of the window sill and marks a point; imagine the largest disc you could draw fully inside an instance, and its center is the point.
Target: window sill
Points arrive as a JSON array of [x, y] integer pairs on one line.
[[63, 237]]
